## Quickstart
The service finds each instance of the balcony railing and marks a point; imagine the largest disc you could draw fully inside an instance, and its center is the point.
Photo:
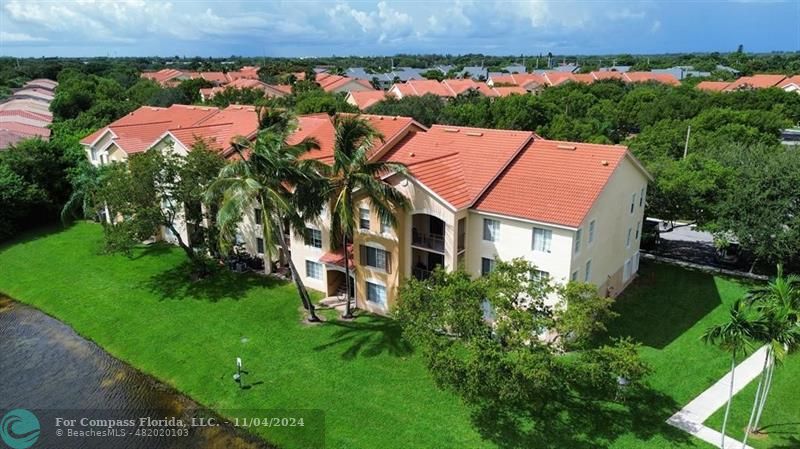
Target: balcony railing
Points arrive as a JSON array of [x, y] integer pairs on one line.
[[421, 274], [430, 241]]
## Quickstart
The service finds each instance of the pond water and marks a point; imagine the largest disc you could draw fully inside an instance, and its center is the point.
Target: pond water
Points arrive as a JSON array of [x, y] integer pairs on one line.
[[47, 368]]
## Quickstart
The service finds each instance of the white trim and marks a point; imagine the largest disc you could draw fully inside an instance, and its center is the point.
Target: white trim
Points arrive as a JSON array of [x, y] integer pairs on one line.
[[523, 220]]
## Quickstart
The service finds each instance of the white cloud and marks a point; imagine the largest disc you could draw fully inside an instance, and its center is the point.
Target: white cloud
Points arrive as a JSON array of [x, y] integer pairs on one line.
[[625, 14], [655, 27], [19, 37]]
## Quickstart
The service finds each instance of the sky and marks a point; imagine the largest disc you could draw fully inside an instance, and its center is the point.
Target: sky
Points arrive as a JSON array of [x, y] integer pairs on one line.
[[387, 27]]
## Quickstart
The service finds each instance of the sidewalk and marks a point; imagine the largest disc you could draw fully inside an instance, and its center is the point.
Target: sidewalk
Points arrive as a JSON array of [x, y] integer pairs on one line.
[[692, 416]]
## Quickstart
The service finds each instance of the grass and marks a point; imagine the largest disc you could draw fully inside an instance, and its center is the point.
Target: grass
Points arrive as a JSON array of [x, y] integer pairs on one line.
[[780, 422], [373, 389]]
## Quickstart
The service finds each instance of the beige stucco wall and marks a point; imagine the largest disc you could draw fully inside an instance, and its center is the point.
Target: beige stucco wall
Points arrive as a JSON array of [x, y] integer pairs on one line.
[[613, 218]]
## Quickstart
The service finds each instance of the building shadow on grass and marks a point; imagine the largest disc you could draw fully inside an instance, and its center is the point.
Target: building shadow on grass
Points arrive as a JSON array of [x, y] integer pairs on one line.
[[662, 303], [181, 282], [580, 424], [789, 443], [367, 337]]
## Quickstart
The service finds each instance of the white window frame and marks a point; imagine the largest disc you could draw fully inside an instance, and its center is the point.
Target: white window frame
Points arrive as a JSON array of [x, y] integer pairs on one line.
[[309, 233], [491, 265], [549, 241], [309, 274], [592, 230], [378, 251], [493, 226], [633, 202], [361, 219], [383, 304], [641, 198], [628, 238], [260, 242], [386, 227], [638, 230], [578, 238], [587, 276]]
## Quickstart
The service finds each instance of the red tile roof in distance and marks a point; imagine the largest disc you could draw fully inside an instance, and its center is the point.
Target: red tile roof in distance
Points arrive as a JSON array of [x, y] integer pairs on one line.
[[337, 257], [424, 87], [607, 75], [643, 77], [789, 81], [553, 182], [554, 78], [22, 128], [713, 86], [368, 98], [457, 163], [756, 82], [505, 91]]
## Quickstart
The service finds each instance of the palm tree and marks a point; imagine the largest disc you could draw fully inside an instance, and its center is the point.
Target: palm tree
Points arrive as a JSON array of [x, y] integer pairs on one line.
[[354, 177], [269, 173], [734, 336], [779, 304], [86, 182]]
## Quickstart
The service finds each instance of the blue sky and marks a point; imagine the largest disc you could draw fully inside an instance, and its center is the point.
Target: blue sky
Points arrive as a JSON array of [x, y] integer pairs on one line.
[[323, 28]]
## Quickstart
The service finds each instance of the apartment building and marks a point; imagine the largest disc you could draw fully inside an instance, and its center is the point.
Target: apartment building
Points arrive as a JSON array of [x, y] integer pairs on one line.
[[574, 210]]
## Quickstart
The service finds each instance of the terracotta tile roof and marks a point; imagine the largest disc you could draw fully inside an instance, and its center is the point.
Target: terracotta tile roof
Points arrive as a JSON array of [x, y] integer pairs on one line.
[[163, 75], [528, 80], [26, 104], [337, 257], [553, 182], [244, 83], [8, 138], [554, 78], [715, 86], [460, 86], [42, 82], [423, 87], [363, 100], [139, 130], [755, 82], [330, 82], [320, 127], [643, 77], [22, 128], [454, 162], [36, 92], [607, 75], [792, 80], [29, 116], [220, 129], [505, 91], [246, 72], [585, 78]]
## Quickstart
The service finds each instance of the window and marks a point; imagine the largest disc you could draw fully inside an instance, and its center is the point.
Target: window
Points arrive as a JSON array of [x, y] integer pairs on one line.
[[487, 265], [376, 293], [626, 271], [641, 198], [578, 235], [94, 152], [386, 226], [588, 274], [537, 275], [491, 230], [257, 213], [633, 201], [363, 221], [628, 239], [314, 237], [591, 231], [375, 257], [542, 239], [313, 270], [260, 245], [638, 229], [574, 276]]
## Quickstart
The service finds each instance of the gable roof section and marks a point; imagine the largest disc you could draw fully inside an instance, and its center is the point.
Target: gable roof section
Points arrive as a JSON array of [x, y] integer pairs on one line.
[[553, 182], [607, 75], [220, 129], [423, 87], [365, 99], [762, 81], [643, 77], [138, 130], [792, 80], [320, 127], [457, 163], [712, 86]]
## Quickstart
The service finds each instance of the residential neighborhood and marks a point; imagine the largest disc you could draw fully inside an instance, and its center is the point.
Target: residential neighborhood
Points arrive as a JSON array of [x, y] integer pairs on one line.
[[388, 224]]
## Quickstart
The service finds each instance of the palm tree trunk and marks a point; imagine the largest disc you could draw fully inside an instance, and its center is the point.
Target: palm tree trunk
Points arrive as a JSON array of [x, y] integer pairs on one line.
[[765, 394], [756, 401], [298, 282], [730, 399], [347, 312]]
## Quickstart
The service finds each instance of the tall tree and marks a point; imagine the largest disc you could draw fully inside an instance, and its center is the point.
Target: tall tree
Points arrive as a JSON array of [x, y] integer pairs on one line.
[[354, 177], [736, 337], [270, 175]]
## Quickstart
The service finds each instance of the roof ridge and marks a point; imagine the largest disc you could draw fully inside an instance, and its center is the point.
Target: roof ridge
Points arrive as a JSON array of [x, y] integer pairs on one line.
[[124, 125], [196, 126]]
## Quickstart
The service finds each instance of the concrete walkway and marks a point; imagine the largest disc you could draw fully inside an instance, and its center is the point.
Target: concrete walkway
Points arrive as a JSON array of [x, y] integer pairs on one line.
[[691, 417]]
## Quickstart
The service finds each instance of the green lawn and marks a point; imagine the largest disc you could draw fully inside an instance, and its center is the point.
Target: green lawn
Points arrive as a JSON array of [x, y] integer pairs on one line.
[[781, 418], [373, 389]]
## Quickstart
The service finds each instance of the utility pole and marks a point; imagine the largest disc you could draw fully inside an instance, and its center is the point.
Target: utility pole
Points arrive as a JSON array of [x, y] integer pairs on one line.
[[686, 145]]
